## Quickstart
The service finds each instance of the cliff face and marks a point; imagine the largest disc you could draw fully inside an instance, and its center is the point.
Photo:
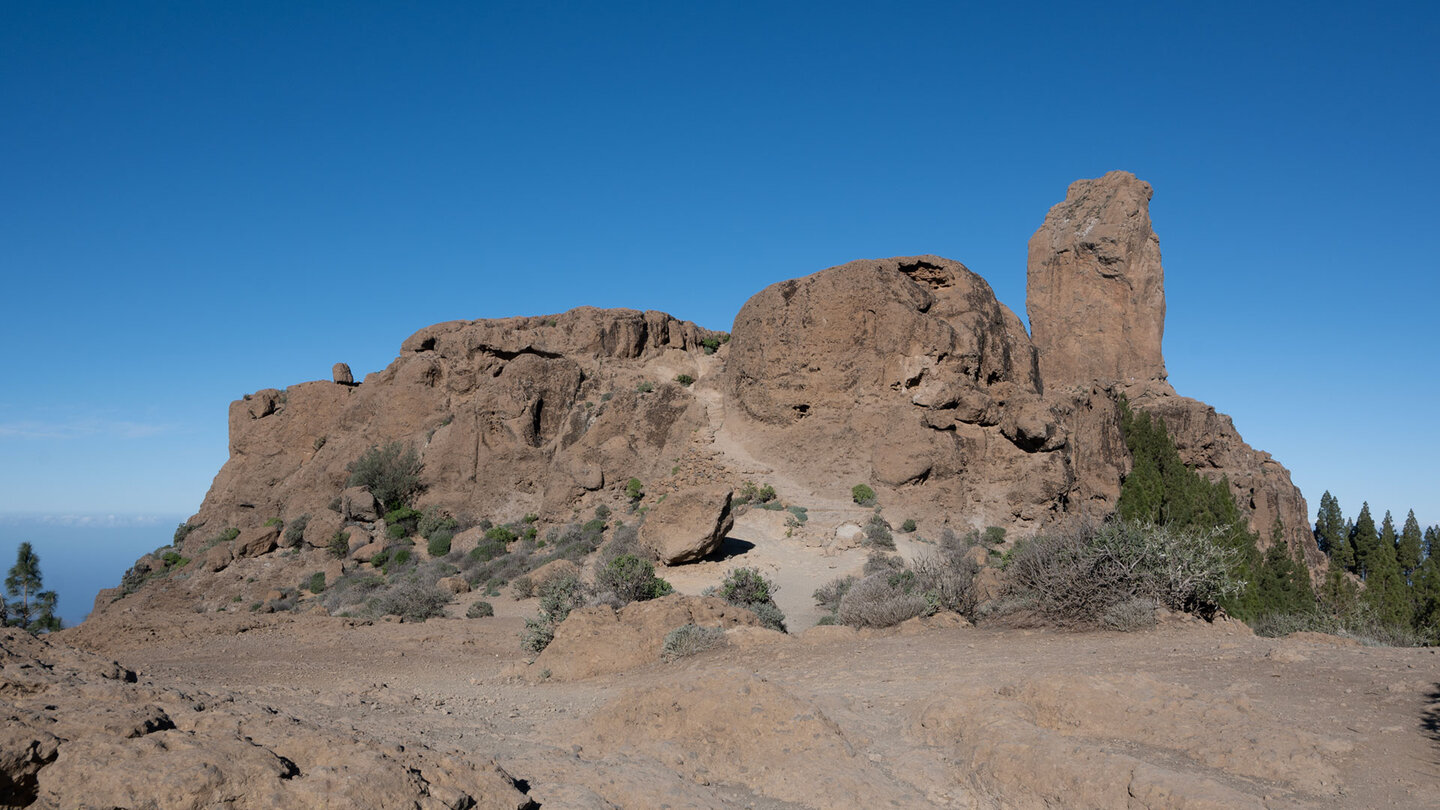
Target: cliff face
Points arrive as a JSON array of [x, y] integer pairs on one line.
[[904, 373]]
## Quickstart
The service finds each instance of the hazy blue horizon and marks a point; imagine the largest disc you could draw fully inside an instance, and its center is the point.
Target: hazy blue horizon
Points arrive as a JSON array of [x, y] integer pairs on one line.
[[80, 554]]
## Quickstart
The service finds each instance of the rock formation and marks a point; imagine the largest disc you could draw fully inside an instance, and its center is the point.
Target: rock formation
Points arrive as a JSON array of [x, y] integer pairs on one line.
[[1095, 289], [905, 374]]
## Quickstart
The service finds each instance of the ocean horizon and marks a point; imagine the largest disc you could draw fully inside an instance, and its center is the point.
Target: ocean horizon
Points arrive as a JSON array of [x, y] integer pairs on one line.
[[83, 553]]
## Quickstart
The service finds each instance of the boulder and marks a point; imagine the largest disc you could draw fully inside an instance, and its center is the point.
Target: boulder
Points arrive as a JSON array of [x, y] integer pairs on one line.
[[322, 527], [849, 535], [688, 524], [553, 570], [340, 373], [357, 504], [217, 558], [256, 541], [455, 585]]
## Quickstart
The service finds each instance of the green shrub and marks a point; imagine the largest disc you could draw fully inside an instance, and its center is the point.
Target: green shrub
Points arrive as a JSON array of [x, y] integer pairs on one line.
[[435, 521], [878, 562], [501, 534], [401, 523], [174, 560], [439, 545], [558, 597], [877, 532], [480, 610], [994, 536], [631, 579], [391, 473], [339, 545], [225, 536], [748, 588], [908, 526], [380, 558], [863, 495], [601, 513], [684, 379], [690, 639], [712, 344], [295, 532], [274, 521], [315, 583], [634, 490], [798, 515], [183, 531], [644, 387]]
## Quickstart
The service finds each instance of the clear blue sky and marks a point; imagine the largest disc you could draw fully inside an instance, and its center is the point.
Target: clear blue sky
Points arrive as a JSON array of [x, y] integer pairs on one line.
[[202, 199]]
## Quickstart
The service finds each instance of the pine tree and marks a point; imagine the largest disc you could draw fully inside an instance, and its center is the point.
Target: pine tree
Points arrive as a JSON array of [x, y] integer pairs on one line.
[[1365, 540], [1425, 593], [31, 607], [1385, 588], [1331, 534], [1408, 553], [1282, 582]]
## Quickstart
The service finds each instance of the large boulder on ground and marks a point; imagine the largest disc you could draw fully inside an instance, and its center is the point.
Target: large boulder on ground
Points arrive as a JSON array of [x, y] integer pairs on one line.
[[688, 524], [357, 504], [257, 541], [340, 373]]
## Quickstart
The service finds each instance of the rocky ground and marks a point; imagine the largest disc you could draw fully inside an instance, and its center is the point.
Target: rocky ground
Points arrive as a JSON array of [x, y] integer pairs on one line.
[[307, 711]]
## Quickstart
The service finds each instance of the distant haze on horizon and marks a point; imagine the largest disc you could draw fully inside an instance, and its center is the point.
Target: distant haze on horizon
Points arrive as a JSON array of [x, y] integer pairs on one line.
[[207, 200]]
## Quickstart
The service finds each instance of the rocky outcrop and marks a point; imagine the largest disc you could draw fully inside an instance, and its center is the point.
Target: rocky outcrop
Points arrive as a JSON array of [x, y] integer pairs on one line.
[[1095, 290], [906, 374], [508, 417]]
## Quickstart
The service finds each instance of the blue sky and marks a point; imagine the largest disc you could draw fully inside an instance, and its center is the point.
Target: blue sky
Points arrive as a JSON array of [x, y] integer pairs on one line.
[[202, 199]]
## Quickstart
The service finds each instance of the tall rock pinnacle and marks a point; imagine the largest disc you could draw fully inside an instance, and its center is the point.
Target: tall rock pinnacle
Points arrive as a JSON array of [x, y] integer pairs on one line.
[[1095, 291]]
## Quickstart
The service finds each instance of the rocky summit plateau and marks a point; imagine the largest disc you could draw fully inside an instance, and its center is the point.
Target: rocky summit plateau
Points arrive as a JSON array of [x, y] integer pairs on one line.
[[317, 636]]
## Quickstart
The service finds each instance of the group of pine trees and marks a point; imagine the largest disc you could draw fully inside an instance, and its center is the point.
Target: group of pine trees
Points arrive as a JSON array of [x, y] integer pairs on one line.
[[1381, 581], [1162, 490], [1394, 575]]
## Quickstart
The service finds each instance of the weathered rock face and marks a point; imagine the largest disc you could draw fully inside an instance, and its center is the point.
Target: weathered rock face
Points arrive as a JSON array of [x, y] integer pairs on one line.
[[508, 416], [906, 372], [1095, 290]]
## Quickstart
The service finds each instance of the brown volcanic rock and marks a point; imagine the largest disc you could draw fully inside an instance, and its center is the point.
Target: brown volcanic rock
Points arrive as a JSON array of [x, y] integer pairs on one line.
[[509, 416], [1095, 290], [81, 731], [903, 372], [688, 525]]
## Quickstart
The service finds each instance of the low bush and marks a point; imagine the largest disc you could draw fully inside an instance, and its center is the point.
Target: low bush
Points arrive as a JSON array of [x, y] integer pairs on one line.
[[434, 522], [339, 545], [439, 545], [908, 526], [634, 490], [828, 596], [631, 579], [879, 562], [881, 600], [684, 379], [315, 583], [863, 494], [274, 521], [690, 639], [877, 532], [558, 597], [295, 532], [413, 601], [183, 531], [402, 522], [748, 588], [1132, 614], [480, 610], [1076, 575]]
